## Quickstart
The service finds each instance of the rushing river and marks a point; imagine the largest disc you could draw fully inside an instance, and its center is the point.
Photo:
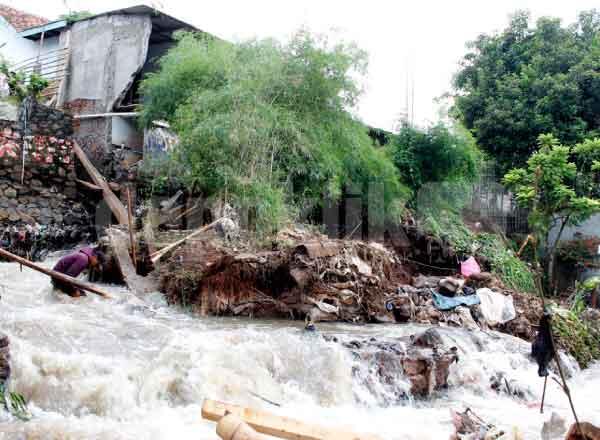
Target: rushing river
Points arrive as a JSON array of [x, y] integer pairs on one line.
[[130, 369]]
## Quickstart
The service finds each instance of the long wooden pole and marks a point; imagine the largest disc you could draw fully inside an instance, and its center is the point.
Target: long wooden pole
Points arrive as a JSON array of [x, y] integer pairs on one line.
[[111, 199], [131, 237], [277, 426], [51, 273], [158, 255]]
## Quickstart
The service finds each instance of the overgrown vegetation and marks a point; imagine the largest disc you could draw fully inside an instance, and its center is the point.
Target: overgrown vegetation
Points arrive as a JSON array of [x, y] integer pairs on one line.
[[22, 85], [526, 81], [14, 403], [436, 154], [548, 186], [514, 273], [577, 336], [74, 16], [268, 126]]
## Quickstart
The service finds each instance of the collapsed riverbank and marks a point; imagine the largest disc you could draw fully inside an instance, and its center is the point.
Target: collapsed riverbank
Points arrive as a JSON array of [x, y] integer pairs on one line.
[[119, 369]]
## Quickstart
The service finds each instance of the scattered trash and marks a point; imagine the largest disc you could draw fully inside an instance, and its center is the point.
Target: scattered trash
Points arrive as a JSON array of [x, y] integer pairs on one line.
[[469, 426], [469, 267], [450, 286], [496, 308], [446, 303]]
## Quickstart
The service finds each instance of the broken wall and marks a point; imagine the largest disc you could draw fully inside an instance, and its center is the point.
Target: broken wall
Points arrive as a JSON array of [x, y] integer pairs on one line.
[[107, 53]]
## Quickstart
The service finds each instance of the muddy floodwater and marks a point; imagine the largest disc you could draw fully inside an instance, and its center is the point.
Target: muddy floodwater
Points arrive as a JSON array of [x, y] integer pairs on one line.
[[131, 368]]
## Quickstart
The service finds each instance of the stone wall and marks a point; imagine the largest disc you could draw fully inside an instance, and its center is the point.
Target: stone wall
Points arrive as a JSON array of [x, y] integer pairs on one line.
[[38, 188]]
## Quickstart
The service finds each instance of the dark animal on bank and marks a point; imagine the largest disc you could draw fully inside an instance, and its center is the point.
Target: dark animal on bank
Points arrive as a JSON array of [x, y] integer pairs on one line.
[[542, 348]]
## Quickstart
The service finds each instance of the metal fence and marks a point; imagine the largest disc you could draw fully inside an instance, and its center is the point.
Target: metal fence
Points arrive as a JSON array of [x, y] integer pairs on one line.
[[493, 203]]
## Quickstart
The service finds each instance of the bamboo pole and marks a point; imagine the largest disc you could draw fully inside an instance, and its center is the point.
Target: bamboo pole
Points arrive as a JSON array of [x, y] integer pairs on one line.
[[277, 426], [131, 237], [53, 274], [158, 255]]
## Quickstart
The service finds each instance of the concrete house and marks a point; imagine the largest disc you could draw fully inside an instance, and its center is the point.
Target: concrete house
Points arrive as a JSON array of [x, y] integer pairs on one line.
[[95, 66]]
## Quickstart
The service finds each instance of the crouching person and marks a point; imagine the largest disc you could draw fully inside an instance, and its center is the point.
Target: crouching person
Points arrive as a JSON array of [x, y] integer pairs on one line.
[[73, 265]]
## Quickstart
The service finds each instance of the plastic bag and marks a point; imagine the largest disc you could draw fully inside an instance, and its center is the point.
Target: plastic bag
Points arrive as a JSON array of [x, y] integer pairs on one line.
[[469, 267], [496, 308]]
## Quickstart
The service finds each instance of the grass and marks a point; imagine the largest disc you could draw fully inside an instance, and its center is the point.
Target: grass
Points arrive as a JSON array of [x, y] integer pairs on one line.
[[513, 272]]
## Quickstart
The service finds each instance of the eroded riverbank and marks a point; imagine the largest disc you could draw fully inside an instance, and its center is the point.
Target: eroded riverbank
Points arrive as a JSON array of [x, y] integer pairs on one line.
[[125, 369]]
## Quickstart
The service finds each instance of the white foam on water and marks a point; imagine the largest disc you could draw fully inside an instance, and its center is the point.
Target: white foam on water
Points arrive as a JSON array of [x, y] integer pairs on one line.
[[130, 369]]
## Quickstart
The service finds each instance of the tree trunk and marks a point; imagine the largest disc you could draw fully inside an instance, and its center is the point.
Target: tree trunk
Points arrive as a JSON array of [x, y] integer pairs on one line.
[[552, 258]]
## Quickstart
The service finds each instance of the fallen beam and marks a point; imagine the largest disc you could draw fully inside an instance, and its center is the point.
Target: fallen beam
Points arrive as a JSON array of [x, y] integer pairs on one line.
[[155, 257], [51, 273], [277, 426], [111, 199]]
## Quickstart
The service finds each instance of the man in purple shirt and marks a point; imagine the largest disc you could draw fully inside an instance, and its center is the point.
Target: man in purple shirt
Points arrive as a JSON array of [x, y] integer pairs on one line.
[[75, 263]]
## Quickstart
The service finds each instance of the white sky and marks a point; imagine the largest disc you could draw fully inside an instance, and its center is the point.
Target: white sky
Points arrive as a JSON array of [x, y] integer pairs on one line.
[[419, 38]]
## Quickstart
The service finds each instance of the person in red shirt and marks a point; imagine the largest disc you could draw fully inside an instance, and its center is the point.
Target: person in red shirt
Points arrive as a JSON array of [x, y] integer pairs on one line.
[[75, 263]]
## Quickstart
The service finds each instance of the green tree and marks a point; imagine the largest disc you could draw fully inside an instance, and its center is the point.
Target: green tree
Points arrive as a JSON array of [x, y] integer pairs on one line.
[[523, 82], [268, 125], [549, 187], [436, 154]]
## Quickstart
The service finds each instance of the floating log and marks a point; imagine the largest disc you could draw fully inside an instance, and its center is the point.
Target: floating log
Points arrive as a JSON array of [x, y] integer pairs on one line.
[[119, 242], [158, 255], [277, 426], [51, 273], [111, 199]]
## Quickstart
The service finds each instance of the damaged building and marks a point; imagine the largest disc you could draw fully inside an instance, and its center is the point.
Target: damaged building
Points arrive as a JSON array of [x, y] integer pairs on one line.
[[95, 66]]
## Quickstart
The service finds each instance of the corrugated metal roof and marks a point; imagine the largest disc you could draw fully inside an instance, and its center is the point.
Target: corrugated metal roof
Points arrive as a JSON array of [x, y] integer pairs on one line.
[[159, 19]]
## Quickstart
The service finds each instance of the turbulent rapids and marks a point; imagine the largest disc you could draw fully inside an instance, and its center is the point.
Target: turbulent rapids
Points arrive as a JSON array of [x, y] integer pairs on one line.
[[137, 369]]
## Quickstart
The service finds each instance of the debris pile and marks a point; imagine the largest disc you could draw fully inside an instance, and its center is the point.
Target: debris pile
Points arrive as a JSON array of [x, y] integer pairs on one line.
[[309, 276], [326, 280]]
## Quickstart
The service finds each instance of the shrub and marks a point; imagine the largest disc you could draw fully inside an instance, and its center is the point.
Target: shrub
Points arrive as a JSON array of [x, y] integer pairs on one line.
[[268, 125]]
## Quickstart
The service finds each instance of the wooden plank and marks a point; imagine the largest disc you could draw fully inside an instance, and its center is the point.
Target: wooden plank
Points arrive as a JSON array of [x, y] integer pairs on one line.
[[158, 255], [59, 276], [130, 221], [119, 242], [111, 199], [48, 54], [108, 115], [277, 426]]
